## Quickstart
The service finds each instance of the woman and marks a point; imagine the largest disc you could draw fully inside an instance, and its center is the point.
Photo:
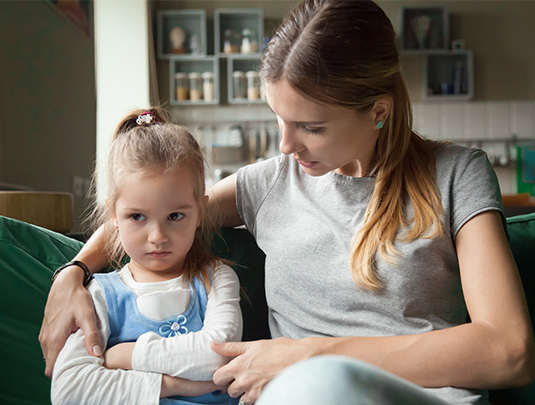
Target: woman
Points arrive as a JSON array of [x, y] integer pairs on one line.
[[379, 243]]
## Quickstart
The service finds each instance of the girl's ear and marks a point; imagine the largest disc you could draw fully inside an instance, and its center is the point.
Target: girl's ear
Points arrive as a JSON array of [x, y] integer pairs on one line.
[[115, 224]]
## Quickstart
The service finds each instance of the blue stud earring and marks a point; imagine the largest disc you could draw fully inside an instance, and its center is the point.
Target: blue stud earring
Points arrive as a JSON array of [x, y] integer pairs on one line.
[[380, 124]]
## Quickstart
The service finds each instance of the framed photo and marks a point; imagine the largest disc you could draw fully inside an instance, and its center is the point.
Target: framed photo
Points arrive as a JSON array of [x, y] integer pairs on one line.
[[77, 11]]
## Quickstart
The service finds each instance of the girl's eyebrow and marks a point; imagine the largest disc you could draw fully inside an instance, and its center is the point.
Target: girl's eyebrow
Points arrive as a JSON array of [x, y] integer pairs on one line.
[[300, 122], [178, 208]]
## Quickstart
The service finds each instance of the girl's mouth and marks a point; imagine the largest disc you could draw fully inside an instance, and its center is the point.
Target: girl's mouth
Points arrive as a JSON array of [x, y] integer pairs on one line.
[[159, 253]]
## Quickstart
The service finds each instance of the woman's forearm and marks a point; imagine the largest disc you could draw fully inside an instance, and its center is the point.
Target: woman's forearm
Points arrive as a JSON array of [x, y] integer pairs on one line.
[[69, 306], [472, 356], [92, 252]]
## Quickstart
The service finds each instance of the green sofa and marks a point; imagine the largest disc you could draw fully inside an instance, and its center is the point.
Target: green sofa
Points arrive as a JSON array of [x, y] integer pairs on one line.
[[29, 255]]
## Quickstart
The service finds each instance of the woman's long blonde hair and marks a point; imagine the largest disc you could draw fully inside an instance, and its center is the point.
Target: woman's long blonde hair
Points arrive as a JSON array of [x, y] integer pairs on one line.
[[343, 53], [139, 148]]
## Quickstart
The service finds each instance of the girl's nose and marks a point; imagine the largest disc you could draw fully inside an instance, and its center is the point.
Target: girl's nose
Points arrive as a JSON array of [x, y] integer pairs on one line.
[[157, 235], [290, 142]]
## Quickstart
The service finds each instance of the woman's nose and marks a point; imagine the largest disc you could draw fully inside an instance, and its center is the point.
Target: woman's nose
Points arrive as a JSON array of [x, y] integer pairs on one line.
[[289, 139]]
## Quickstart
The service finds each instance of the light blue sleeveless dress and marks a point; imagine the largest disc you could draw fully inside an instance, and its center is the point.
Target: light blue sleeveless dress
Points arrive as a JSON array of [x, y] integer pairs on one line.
[[127, 324]]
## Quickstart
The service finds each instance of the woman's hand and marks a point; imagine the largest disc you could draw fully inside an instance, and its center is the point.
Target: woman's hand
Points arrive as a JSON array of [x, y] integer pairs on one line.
[[119, 356], [257, 363], [180, 386], [69, 307]]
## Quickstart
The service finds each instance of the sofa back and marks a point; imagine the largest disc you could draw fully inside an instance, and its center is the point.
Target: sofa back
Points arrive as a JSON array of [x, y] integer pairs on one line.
[[29, 255]]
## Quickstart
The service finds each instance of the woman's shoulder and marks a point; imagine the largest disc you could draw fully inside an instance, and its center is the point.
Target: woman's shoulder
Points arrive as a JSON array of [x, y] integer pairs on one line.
[[265, 168], [451, 157]]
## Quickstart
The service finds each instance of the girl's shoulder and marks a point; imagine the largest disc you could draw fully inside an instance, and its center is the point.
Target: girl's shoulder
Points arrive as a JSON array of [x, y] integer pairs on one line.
[[222, 272]]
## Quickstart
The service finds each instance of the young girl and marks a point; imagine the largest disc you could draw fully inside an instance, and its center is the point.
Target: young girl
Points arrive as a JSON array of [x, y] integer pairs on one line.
[[172, 289]]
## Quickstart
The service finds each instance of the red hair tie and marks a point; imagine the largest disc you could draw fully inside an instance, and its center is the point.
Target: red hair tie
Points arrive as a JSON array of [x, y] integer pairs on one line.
[[146, 118]]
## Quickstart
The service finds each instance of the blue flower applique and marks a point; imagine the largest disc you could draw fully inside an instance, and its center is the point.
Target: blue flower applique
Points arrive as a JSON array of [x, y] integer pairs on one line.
[[174, 326]]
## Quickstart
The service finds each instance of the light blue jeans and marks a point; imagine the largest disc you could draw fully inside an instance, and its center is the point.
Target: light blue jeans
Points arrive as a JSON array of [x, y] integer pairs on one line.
[[338, 380]]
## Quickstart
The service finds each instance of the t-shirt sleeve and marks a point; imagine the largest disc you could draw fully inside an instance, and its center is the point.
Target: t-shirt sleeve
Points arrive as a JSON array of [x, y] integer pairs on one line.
[[474, 189], [253, 185]]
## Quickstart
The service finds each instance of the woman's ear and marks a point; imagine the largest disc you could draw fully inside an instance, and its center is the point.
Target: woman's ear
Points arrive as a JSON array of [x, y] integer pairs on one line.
[[381, 110]]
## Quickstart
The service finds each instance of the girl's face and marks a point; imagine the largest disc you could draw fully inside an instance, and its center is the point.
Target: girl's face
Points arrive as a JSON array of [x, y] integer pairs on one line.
[[323, 138], [157, 215]]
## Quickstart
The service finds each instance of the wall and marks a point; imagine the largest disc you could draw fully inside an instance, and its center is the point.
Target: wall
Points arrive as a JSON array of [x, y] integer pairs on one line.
[[122, 68], [47, 99]]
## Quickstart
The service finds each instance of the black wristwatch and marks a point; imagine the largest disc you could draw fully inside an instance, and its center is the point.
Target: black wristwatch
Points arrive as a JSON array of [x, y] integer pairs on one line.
[[87, 273]]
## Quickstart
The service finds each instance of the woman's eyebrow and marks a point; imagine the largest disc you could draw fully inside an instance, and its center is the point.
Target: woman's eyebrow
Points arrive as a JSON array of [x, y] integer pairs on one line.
[[301, 122]]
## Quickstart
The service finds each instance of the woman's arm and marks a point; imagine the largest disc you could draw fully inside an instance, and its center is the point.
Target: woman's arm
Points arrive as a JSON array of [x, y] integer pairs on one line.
[[69, 306], [189, 355], [223, 201], [495, 350]]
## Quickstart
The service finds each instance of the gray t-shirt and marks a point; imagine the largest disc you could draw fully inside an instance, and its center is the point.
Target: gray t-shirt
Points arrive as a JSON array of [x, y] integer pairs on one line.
[[304, 225]]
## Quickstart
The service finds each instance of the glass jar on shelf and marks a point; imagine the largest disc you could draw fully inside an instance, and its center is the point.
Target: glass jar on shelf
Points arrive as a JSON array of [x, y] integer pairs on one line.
[[253, 85], [195, 86], [240, 85], [208, 86], [231, 41], [248, 42], [181, 86]]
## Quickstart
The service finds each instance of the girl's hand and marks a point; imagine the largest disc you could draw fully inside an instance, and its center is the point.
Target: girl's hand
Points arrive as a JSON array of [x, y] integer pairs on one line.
[[180, 386], [119, 356], [69, 307], [257, 363]]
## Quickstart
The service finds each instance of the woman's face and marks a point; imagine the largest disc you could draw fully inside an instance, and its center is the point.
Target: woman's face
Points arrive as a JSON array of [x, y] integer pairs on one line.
[[323, 138]]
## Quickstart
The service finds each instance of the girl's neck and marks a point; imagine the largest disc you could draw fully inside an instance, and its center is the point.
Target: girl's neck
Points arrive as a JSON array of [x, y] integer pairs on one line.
[[141, 275]]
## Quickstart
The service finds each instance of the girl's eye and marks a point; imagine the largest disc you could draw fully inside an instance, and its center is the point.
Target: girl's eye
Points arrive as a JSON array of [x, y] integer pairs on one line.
[[175, 216], [137, 217], [313, 131]]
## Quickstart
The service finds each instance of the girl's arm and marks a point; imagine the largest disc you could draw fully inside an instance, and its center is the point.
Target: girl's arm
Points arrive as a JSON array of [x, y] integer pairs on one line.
[[495, 350], [82, 379], [190, 356], [69, 306]]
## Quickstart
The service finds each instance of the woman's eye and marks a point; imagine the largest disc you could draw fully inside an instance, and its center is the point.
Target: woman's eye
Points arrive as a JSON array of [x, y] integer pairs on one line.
[[175, 216], [312, 130], [137, 217]]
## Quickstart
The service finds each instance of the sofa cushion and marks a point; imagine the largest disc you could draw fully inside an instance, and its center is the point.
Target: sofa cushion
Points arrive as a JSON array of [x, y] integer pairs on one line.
[[28, 257], [521, 231]]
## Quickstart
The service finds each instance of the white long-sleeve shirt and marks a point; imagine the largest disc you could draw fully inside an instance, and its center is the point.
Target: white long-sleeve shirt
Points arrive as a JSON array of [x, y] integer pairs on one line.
[[80, 378]]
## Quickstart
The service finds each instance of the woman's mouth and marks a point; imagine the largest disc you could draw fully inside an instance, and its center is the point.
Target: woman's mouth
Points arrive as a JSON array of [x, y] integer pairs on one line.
[[307, 165]]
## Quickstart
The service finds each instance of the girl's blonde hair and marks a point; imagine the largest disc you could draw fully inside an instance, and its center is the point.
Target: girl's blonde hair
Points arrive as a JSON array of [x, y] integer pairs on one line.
[[139, 147], [343, 53]]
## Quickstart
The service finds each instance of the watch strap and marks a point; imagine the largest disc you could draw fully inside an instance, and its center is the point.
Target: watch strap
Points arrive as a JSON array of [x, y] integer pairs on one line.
[[87, 273]]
